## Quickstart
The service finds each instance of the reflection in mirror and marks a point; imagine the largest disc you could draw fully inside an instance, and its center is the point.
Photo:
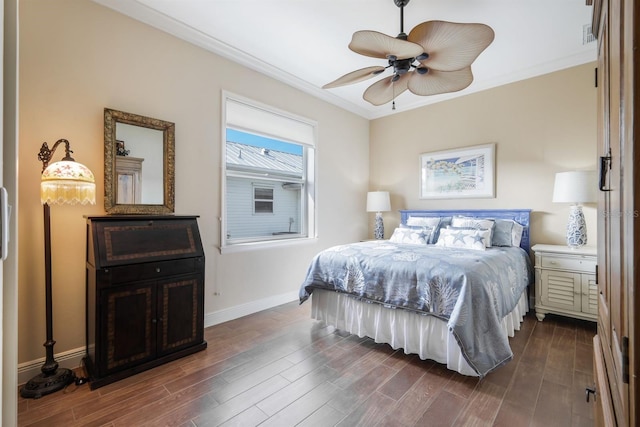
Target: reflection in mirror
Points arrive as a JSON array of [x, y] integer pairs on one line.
[[139, 164]]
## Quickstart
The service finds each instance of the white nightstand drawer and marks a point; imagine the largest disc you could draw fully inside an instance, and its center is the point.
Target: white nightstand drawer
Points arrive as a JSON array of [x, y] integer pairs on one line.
[[584, 265]]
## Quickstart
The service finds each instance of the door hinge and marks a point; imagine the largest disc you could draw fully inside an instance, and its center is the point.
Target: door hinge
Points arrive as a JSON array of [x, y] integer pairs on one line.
[[597, 274], [605, 167], [595, 76], [625, 360]]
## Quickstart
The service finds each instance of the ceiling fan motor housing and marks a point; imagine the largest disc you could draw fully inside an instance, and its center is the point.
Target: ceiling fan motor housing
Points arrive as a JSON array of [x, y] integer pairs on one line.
[[401, 3], [401, 66]]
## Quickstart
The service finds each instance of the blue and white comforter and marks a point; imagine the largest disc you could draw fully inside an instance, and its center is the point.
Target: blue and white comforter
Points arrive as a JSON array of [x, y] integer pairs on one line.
[[470, 289]]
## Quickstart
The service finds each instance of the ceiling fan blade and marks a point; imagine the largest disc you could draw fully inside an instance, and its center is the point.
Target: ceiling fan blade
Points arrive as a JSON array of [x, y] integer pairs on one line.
[[379, 45], [451, 46], [385, 90], [355, 76], [435, 82]]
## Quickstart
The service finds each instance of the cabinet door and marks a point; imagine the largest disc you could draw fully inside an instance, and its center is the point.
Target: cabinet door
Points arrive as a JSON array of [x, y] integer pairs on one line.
[[589, 294], [130, 327], [617, 225], [562, 290], [180, 315]]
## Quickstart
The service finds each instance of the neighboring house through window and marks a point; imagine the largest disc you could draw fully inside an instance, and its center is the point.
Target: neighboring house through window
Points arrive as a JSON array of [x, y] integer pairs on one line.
[[268, 175], [262, 200]]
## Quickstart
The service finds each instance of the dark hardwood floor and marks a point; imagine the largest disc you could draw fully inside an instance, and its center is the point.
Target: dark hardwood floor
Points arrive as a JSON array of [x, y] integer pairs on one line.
[[280, 368]]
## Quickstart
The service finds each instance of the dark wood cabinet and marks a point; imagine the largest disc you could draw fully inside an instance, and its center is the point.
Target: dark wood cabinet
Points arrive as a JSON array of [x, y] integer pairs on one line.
[[145, 293]]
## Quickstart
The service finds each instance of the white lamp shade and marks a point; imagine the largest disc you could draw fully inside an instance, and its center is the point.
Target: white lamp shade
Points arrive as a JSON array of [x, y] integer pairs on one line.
[[67, 182], [575, 187], [378, 201]]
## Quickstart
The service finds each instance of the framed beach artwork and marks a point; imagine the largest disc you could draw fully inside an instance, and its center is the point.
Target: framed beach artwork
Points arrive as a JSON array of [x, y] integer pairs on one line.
[[458, 173]]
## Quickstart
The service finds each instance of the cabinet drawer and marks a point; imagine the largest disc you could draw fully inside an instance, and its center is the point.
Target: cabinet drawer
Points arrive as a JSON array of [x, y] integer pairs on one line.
[[149, 271], [576, 264]]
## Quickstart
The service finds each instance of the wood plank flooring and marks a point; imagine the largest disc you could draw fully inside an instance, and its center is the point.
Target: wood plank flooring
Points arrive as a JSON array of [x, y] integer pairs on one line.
[[280, 368]]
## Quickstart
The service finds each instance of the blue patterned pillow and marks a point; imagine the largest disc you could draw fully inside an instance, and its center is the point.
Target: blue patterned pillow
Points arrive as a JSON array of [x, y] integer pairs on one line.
[[428, 232], [437, 222], [408, 235], [480, 223], [463, 238]]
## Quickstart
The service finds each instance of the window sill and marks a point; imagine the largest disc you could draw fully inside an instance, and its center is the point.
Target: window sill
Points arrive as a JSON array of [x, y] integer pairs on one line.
[[253, 246]]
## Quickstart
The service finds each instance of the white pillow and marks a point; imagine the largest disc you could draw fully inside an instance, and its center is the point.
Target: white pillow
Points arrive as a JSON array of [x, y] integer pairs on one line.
[[516, 234], [478, 223], [408, 235], [424, 221], [463, 238]]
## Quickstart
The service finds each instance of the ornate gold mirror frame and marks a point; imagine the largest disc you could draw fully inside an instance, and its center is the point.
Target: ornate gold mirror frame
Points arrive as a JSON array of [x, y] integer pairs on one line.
[[115, 151]]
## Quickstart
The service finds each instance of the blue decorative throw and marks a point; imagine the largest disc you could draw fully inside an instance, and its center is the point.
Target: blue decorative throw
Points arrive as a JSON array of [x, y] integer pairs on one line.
[[471, 290]]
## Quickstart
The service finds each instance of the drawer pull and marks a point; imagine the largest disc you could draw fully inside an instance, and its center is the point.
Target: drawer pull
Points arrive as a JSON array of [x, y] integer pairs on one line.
[[157, 269]]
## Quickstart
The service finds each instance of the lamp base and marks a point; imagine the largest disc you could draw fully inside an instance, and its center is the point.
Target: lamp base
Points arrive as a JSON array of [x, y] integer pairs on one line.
[[43, 384], [576, 228], [378, 231]]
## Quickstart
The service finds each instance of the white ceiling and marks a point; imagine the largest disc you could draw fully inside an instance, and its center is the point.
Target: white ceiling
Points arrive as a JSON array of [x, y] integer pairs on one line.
[[304, 42]]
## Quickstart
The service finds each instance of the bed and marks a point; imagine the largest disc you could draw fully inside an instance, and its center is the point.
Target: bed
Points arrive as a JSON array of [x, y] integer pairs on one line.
[[452, 302]]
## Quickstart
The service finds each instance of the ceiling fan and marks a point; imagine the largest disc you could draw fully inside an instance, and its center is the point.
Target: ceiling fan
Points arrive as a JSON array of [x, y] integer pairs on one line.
[[434, 58]]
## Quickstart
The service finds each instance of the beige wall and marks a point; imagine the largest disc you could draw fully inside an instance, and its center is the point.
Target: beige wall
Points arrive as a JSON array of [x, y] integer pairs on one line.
[[76, 58], [540, 126]]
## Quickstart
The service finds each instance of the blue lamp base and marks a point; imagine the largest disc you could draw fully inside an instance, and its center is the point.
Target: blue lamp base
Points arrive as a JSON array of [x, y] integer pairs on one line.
[[576, 228], [378, 231]]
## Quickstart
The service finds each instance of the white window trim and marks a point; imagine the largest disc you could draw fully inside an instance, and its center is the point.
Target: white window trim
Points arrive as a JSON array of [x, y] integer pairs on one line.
[[311, 193]]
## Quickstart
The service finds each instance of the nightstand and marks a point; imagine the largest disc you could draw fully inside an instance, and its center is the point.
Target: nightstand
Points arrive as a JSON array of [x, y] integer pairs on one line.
[[566, 281]]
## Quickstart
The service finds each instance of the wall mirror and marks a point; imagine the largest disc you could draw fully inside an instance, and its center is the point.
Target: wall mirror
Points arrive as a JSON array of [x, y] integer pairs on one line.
[[139, 160]]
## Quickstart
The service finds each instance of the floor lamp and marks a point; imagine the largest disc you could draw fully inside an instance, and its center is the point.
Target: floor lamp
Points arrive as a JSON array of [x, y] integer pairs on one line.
[[63, 182]]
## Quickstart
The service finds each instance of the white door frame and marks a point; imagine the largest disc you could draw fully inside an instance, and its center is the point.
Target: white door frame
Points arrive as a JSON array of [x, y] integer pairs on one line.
[[9, 180]]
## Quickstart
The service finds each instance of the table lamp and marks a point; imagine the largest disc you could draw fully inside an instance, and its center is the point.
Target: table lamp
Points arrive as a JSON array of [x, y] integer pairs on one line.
[[378, 202], [575, 187]]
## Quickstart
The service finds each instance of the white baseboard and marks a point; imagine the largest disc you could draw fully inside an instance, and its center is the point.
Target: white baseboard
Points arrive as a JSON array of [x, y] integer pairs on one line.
[[72, 359], [238, 311]]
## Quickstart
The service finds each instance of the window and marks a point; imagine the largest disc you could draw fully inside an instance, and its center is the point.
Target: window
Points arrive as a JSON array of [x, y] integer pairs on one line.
[[262, 200], [268, 176]]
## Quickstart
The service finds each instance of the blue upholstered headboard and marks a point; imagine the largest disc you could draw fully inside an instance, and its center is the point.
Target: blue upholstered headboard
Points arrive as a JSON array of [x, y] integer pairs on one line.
[[521, 216]]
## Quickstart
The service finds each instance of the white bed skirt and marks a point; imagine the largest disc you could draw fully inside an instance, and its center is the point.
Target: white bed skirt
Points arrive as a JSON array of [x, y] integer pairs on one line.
[[426, 336]]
